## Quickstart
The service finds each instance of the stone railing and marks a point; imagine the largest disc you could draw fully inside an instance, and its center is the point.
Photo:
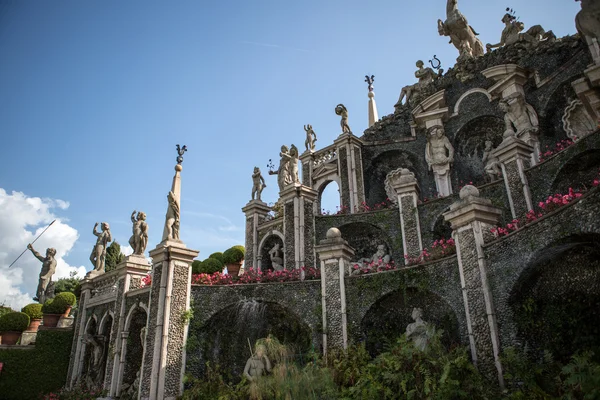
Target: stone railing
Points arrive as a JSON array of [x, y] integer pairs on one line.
[[325, 155]]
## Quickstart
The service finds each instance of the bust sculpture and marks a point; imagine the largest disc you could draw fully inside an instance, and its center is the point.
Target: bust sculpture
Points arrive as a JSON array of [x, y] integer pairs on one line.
[[341, 110], [311, 138], [98, 256], [258, 183], [48, 269], [425, 77], [276, 256], [258, 364], [439, 154], [419, 332], [492, 166], [139, 240], [511, 33], [172, 217]]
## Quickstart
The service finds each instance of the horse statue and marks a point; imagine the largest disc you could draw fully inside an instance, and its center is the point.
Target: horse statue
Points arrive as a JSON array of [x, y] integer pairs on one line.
[[462, 35], [587, 22]]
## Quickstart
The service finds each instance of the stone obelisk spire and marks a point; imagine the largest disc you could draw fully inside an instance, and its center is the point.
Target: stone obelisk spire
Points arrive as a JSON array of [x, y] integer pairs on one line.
[[171, 229], [373, 115]]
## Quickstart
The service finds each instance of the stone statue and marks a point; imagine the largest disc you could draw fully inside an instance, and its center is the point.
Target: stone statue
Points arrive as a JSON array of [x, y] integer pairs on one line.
[[491, 163], [48, 269], [521, 119], [293, 165], [425, 77], [288, 167], [98, 256], [439, 154], [587, 22], [311, 138], [462, 35], [95, 371], [139, 240], [257, 364], [258, 183], [511, 34], [276, 256], [341, 110], [381, 257], [419, 332], [172, 217]]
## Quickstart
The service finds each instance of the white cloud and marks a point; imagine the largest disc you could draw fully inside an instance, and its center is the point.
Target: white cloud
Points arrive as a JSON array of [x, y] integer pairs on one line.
[[22, 219], [127, 250]]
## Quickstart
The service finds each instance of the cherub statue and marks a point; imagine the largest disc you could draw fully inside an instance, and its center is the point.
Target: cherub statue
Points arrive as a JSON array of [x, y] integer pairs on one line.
[[258, 183], [276, 256], [341, 110], [171, 230], [439, 154], [48, 269], [98, 256], [491, 163], [139, 240], [425, 77], [511, 33], [257, 364], [180, 152], [419, 332], [311, 138]]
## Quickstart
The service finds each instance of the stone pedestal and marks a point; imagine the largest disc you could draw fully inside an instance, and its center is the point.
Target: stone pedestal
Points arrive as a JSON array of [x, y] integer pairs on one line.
[[588, 91], [307, 160], [163, 363], [351, 170], [256, 211], [65, 322], [298, 225], [335, 255], [28, 338], [514, 156], [401, 185], [471, 218]]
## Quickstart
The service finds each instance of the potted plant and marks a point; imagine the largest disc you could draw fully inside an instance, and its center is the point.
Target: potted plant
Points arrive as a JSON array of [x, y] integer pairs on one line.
[[63, 303], [234, 258], [12, 325], [34, 310], [51, 316]]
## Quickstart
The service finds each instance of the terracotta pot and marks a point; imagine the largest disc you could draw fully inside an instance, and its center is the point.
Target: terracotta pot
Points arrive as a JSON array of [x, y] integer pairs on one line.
[[66, 313], [34, 324], [10, 337], [51, 320], [234, 269]]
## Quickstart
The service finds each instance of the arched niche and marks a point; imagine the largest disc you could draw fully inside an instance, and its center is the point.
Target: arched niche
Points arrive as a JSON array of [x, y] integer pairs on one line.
[[551, 124], [388, 318], [135, 326], [266, 245], [364, 239], [578, 172], [556, 300]]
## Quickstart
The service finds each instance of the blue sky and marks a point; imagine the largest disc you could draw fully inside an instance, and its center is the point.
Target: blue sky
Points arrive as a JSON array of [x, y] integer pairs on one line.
[[95, 95]]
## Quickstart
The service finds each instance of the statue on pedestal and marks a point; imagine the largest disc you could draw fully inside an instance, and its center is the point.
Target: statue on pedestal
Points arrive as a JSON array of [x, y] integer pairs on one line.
[[258, 184], [172, 217], [311, 138], [48, 269], [288, 167], [258, 364], [425, 77], [98, 256], [139, 239], [512, 33], [439, 154], [521, 119], [419, 332], [341, 110], [462, 35], [491, 163]]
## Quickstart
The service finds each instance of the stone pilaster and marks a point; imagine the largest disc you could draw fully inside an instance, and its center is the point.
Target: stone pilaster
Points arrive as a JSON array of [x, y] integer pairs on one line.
[[471, 218], [349, 150], [335, 255], [163, 363], [515, 155], [401, 185], [298, 225], [307, 159], [256, 211]]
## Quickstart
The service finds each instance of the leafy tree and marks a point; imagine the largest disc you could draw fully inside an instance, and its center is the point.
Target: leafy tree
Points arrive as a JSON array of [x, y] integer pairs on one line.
[[218, 255], [196, 264], [71, 284], [113, 256]]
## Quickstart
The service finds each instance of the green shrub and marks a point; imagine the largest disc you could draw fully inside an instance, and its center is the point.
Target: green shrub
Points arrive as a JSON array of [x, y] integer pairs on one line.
[[196, 264], [218, 255], [234, 255], [210, 266], [5, 310], [34, 310], [14, 321], [48, 308], [63, 301]]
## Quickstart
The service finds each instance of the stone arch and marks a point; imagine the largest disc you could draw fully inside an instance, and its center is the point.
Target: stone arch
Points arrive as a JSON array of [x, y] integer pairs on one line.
[[265, 245], [321, 186], [107, 317], [469, 143], [223, 337], [555, 301], [91, 328], [364, 238], [467, 94], [387, 318], [580, 170], [440, 228], [132, 349], [551, 112]]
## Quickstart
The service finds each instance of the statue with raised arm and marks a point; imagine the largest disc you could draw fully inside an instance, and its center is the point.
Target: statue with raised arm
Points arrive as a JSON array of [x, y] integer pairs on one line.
[[172, 217], [341, 110], [311, 138], [511, 33], [419, 332], [461, 34], [98, 256], [139, 239], [425, 77], [439, 154], [283, 173], [276, 256], [492, 166], [258, 184], [48, 269], [258, 364]]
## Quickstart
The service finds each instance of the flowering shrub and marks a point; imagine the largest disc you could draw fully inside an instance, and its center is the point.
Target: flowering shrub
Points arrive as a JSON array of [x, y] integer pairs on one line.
[[371, 267], [560, 146], [147, 280], [363, 207], [439, 249], [78, 392], [252, 275]]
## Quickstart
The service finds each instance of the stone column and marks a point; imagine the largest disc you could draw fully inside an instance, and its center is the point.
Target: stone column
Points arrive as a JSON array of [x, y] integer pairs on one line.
[[78, 346], [256, 211], [352, 188], [335, 255], [471, 218], [163, 363], [515, 156], [298, 225], [401, 185]]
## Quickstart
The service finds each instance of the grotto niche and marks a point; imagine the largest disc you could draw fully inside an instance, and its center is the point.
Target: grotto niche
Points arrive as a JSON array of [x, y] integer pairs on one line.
[[266, 264], [223, 340], [556, 302], [364, 239], [390, 315], [134, 351], [578, 172]]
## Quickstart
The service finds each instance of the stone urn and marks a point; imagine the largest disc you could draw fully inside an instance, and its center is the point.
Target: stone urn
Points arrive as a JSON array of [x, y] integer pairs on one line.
[[34, 325], [51, 320], [234, 269], [10, 337]]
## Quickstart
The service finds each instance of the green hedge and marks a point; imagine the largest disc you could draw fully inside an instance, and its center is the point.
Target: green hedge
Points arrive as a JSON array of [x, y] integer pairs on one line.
[[28, 373], [218, 255], [34, 310]]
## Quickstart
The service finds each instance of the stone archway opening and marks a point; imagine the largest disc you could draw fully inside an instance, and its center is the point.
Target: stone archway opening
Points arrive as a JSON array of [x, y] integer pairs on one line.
[[134, 347], [329, 200], [88, 373], [388, 318], [556, 301]]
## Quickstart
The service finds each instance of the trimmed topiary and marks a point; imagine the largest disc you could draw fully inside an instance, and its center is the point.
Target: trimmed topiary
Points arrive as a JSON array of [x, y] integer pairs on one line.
[[5, 310], [47, 307], [210, 266], [218, 255], [34, 310], [196, 266], [63, 301], [14, 322], [234, 255]]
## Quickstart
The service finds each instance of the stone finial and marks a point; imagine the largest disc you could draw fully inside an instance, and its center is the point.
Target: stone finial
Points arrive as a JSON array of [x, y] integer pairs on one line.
[[370, 80], [334, 233], [468, 191], [180, 152]]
